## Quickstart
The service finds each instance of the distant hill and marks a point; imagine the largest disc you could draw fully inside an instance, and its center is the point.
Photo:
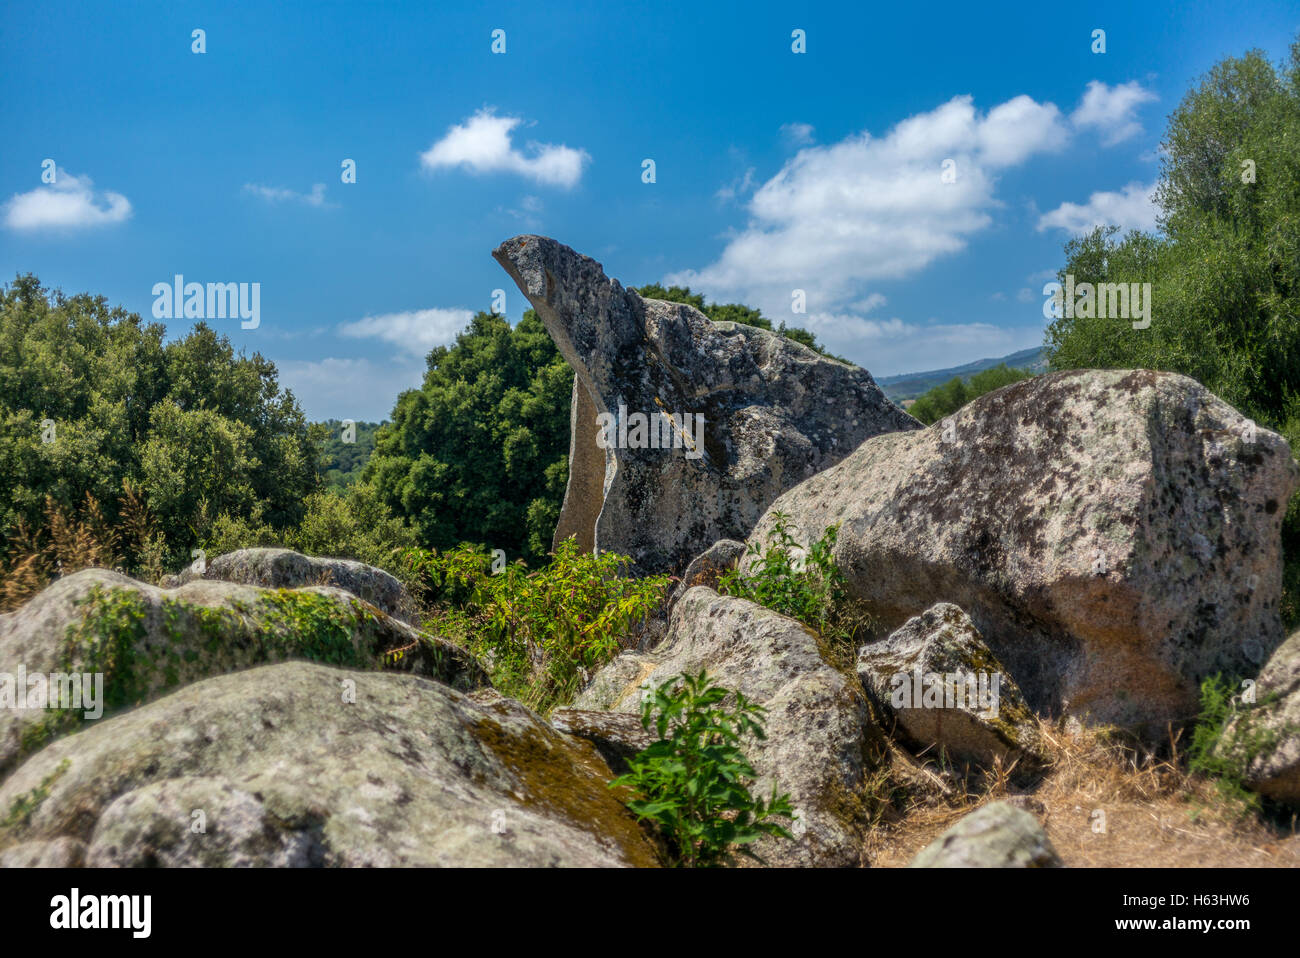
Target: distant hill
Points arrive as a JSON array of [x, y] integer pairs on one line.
[[911, 385], [341, 462]]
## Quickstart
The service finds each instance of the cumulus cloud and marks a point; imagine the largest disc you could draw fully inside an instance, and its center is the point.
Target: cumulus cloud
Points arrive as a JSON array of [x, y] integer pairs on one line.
[[482, 144], [70, 202], [836, 217], [1111, 110], [1133, 207], [277, 194], [415, 332]]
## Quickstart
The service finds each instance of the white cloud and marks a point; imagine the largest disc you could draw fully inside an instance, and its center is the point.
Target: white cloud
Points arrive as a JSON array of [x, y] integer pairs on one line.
[[482, 145], [357, 389], [836, 217], [1111, 109], [798, 134], [737, 187], [414, 332], [70, 202], [276, 194], [1133, 207]]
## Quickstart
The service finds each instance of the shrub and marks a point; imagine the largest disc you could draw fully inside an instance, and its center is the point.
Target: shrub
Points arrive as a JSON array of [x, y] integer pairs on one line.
[[1227, 738], [542, 632], [694, 782], [805, 584]]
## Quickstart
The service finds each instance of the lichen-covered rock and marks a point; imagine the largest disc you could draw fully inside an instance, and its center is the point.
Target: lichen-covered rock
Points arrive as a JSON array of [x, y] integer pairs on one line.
[[949, 693], [707, 567], [59, 853], [1114, 535], [1266, 739], [300, 764], [994, 836], [774, 412], [819, 735], [286, 569], [618, 736], [145, 641]]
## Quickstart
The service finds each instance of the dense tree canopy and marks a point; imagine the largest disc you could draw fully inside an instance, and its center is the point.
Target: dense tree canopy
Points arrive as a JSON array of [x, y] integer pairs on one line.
[[92, 401]]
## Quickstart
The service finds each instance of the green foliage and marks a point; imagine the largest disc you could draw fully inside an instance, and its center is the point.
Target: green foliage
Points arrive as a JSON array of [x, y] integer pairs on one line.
[[351, 525], [946, 399], [194, 428], [544, 632], [25, 805], [341, 463], [1226, 273], [1227, 738], [479, 453], [805, 584], [694, 782]]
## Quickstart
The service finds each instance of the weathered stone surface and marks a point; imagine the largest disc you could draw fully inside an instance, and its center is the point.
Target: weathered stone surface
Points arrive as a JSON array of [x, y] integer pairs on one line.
[[146, 641], [818, 730], [775, 412], [286, 771], [943, 642], [994, 836], [707, 567], [59, 853], [286, 569], [1273, 729], [1113, 535], [617, 736]]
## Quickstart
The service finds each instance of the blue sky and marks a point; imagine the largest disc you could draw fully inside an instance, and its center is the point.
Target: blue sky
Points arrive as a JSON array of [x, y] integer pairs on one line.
[[774, 171]]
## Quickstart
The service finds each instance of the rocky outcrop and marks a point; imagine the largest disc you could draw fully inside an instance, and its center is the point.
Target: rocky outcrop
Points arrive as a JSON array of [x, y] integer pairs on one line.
[[1113, 535], [145, 641], [298, 764], [994, 836], [1266, 739], [949, 695], [286, 569], [819, 736], [755, 412]]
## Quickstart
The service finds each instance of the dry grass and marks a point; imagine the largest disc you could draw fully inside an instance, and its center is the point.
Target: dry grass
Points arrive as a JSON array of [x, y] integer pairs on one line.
[[1104, 802]]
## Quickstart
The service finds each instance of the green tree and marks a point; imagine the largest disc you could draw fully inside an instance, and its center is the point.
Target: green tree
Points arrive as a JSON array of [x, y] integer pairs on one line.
[[1225, 274], [479, 453], [92, 400], [946, 398]]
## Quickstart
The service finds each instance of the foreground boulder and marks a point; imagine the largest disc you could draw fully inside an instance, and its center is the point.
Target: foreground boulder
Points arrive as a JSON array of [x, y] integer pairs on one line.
[[301, 765], [286, 569], [145, 641], [1113, 535], [755, 412], [994, 836], [949, 694], [1266, 740], [818, 731]]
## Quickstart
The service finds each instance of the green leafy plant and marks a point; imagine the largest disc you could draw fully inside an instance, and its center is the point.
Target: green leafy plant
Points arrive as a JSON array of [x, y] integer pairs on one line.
[[805, 584], [1227, 738], [694, 783], [543, 632]]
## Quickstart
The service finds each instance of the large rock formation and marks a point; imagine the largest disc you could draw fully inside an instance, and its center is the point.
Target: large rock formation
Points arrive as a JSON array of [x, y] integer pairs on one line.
[[298, 764], [1113, 535], [756, 412], [819, 735], [145, 641]]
